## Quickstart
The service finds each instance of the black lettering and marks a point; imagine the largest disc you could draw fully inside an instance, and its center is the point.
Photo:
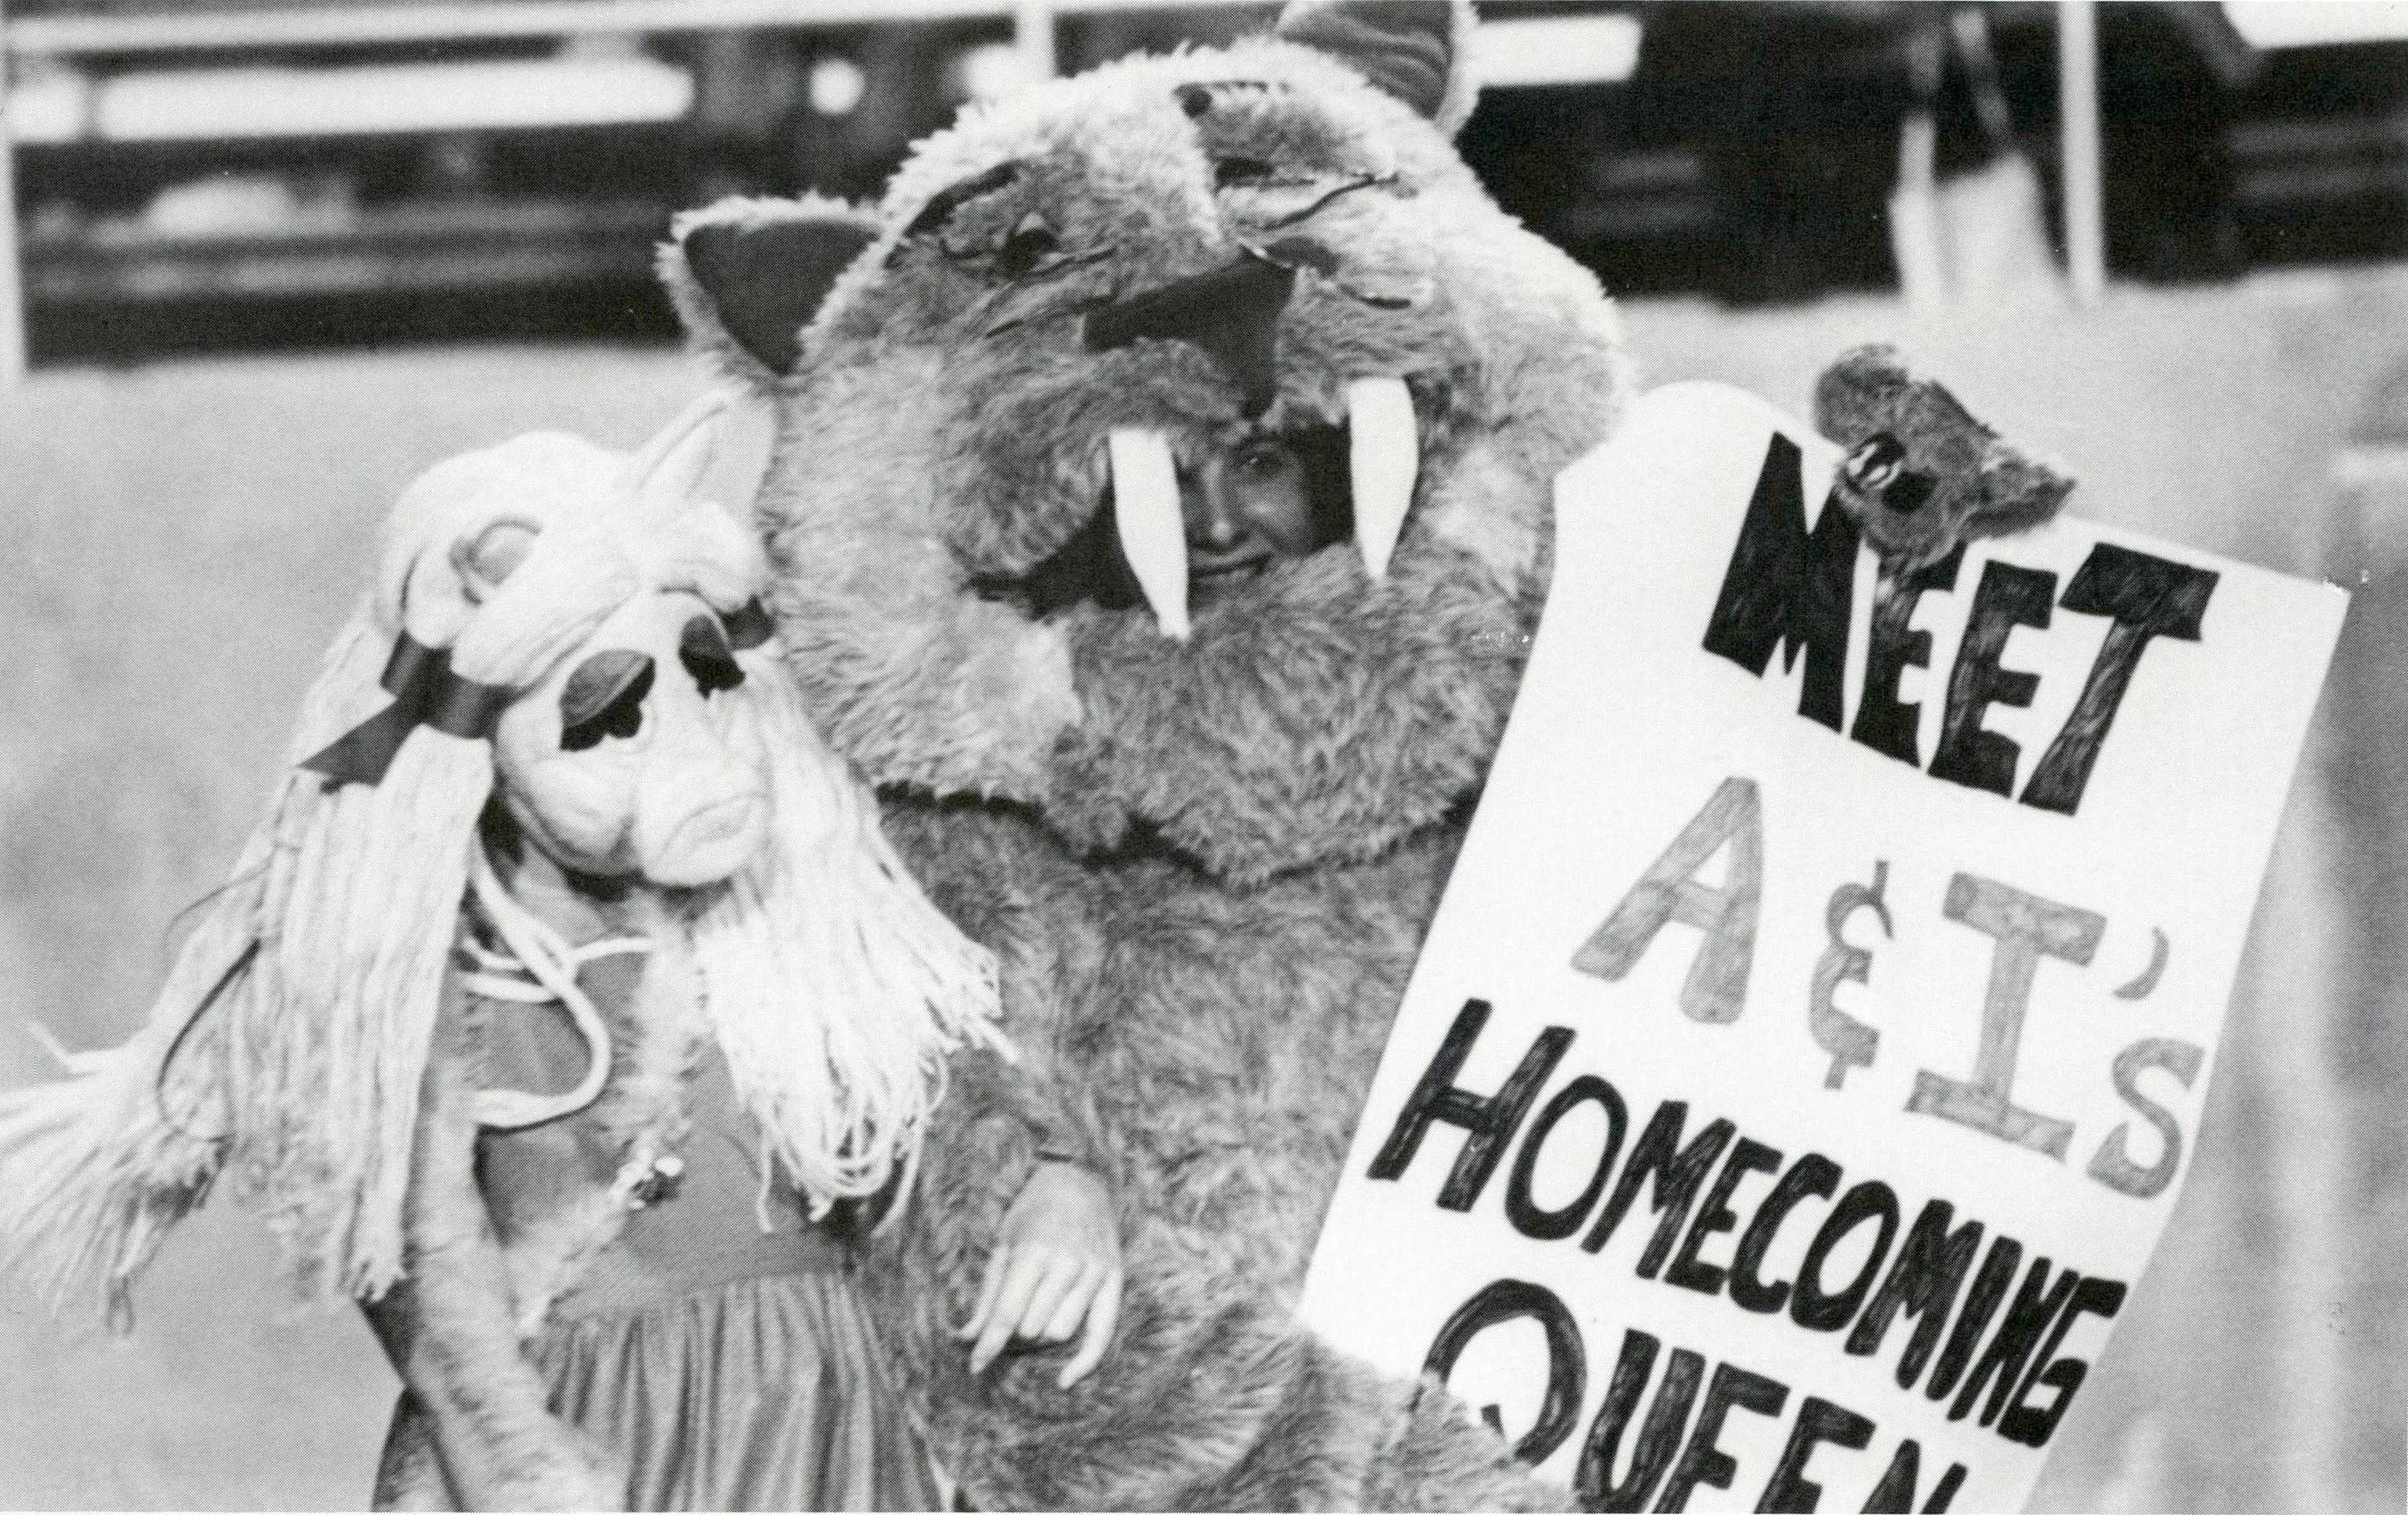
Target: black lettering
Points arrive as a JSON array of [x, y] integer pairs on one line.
[[2102, 1297], [2147, 596], [1702, 1460], [1819, 1420], [1884, 723], [1512, 1299], [1677, 1171], [1810, 1307], [1534, 1220], [2036, 1304], [1981, 1302], [1895, 1493], [1490, 1120], [1787, 588], [1945, 1492], [1812, 1176], [1923, 1282], [1747, 1156], [2008, 597], [1651, 1453]]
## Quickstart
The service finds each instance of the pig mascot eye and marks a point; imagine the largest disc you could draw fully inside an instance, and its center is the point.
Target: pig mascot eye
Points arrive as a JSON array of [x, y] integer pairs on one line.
[[604, 697]]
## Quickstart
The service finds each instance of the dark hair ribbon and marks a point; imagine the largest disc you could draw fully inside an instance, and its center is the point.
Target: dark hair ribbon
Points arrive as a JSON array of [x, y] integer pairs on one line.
[[425, 692]]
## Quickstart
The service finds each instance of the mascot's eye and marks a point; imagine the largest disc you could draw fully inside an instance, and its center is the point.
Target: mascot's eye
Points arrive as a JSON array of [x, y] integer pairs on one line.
[[605, 698], [1878, 467], [1910, 493], [1875, 462], [1234, 173], [704, 651], [1196, 100], [1030, 243]]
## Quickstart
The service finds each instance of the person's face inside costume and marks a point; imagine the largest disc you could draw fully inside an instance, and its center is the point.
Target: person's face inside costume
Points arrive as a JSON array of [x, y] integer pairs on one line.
[[1245, 506], [1260, 499]]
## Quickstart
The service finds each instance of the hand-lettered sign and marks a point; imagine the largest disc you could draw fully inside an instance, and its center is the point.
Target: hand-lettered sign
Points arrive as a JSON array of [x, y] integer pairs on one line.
[[1810, 1046]]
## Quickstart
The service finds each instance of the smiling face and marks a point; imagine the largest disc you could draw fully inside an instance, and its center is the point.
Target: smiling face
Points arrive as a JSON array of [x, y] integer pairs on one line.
[[1246, 506], [1081, 331], [1261, 500], [619, 763]]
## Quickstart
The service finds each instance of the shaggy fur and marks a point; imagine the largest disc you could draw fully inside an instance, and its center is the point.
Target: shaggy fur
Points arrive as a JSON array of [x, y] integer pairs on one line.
[[1205, 866]]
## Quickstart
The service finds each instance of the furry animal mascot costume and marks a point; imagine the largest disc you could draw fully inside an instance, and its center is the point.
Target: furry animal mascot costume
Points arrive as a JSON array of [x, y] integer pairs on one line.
[[562, 659], [1204, 842]]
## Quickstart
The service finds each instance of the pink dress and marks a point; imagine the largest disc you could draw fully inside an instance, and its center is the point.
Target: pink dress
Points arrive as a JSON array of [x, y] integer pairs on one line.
[[725, 1365]]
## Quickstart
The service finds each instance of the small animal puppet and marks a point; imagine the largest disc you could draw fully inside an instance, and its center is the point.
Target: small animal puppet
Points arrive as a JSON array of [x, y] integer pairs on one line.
[[564, 1001], [1922, 476]]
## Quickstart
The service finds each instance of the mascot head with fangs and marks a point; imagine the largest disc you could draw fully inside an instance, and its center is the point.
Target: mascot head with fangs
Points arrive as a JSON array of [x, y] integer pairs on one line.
[[993, 388]]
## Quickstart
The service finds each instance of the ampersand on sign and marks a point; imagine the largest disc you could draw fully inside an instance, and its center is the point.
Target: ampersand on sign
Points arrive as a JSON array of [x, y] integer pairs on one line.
[[1849, 1040]]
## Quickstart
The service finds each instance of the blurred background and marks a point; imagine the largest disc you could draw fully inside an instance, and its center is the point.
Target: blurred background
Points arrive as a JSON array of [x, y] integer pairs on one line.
[[262, 261]]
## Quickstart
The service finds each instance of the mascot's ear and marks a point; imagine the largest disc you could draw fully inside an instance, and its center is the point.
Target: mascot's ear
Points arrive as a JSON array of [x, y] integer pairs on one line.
[[1415, 49], [485, 558], [2019, 488], [748, 274]]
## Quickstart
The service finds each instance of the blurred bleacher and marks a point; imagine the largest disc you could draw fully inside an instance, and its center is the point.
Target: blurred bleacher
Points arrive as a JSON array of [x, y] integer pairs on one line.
[[262, 173]]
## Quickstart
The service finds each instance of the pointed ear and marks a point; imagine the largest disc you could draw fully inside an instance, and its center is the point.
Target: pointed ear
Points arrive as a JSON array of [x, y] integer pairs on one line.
[[670, 467], [2018, 488], [1415, 49], [748, 274], [673, 480]]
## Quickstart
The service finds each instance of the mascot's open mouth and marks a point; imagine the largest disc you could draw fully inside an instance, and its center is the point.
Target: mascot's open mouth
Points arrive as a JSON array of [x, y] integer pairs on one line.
[[1159, 547], [1383, 459], [1141, 544]]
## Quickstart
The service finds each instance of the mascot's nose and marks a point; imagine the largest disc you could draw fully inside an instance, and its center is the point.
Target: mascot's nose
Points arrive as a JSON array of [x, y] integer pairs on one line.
[[1231, 312]]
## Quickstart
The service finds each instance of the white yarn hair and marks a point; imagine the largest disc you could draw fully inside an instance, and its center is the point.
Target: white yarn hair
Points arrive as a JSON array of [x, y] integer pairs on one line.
[[292, 1035], [836, 989]]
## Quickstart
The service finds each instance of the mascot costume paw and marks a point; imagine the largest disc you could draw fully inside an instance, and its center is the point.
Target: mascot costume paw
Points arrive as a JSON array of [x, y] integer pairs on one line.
[[1201, 818]]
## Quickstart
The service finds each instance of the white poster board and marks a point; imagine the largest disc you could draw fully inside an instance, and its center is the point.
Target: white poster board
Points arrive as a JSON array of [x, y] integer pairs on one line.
[[1811, 1043]]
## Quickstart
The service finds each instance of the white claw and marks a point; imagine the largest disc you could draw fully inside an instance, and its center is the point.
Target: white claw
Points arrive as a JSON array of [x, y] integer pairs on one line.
[[1153, 532], [1385, 452]]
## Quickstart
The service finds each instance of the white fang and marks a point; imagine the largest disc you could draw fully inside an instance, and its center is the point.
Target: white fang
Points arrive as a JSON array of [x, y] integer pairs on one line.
[[1385, 452], [1153, 531]]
